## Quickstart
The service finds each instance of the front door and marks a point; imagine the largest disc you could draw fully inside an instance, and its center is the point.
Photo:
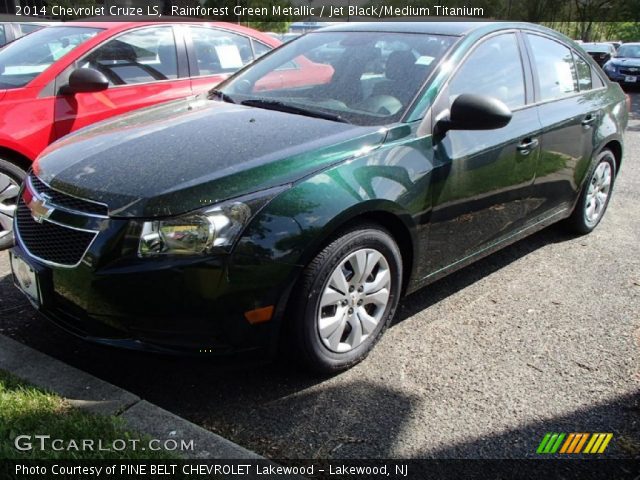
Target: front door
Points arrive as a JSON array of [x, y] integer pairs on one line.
[[482, 179], [142, 68]]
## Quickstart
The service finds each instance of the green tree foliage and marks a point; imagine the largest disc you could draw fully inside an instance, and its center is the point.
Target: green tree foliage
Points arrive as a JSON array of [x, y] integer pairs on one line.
[[268, 23]]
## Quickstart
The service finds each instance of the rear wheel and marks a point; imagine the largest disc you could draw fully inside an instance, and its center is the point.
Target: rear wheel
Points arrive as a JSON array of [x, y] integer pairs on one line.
[[11, 177], [348, 297], [595, 195]]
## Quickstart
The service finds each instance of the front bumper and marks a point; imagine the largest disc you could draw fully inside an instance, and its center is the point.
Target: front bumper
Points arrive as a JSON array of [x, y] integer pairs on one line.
[[622, 78], [187, 306]]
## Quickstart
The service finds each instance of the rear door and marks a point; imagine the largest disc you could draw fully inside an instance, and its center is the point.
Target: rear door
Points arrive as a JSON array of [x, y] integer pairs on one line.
[[144, 66], [214, 54], [569, 106], [482, 179]]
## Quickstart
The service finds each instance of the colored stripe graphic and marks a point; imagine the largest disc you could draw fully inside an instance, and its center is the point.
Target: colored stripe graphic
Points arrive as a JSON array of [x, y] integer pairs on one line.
[[575, 442], [605, 442], [590, 444], [543, 443], [566, 445]]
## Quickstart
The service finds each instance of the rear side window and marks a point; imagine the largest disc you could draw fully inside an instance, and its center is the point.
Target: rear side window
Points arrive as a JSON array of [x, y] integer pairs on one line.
[[494, 68], [219, 51], [584, 73], [26, 28], [555, 68], [142, 56]]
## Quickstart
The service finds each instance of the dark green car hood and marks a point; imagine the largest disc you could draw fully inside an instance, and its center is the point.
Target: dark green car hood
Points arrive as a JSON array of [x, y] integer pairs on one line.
[[187, 154]]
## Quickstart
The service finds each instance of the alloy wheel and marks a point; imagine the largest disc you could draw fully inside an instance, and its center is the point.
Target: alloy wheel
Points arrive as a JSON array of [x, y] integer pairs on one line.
[[354, 300], [9, 188], [598, 193]]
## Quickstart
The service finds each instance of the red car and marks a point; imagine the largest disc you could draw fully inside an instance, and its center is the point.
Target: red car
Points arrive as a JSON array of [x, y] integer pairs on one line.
[[64, 77]]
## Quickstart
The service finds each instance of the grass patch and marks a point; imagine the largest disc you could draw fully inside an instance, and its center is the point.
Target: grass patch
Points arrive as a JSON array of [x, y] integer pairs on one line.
[[28, 410]]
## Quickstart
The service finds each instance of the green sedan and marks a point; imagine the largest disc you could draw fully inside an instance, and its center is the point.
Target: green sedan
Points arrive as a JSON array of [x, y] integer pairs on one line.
[[288, 212]]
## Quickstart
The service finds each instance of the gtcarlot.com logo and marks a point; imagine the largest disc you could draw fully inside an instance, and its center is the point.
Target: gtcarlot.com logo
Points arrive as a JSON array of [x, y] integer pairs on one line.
[[574, 443], [25, 443]]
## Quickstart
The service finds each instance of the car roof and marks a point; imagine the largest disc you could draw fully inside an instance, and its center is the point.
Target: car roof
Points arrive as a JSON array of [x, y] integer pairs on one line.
[[457, 28], [122, 26], [436, 28]]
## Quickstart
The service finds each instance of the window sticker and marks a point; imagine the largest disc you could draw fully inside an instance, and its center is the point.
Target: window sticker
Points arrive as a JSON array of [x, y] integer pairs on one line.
[[229, 56]]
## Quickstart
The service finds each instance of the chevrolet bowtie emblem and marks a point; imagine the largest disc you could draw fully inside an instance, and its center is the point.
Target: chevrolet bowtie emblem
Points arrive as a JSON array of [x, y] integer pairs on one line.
[[39, 208]]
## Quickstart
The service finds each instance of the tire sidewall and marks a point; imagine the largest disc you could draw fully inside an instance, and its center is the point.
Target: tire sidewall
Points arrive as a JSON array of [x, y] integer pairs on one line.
[[603, 156], [15, 173], [367, 238]]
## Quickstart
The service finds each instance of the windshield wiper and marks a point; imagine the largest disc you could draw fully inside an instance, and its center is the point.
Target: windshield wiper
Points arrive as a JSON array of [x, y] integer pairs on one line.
[[288, 108], [214, 92]]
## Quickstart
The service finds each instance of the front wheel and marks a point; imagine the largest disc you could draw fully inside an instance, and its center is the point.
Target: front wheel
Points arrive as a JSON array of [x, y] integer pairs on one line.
[[347, 298], [595, 195], [11, 177]]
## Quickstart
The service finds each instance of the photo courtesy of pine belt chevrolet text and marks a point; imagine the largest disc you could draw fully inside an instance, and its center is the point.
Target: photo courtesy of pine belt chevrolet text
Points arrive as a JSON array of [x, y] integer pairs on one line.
[[289, 213]]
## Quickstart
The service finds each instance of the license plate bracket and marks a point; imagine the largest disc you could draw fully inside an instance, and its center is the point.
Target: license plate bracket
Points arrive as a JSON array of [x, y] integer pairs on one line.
[[26, 279]]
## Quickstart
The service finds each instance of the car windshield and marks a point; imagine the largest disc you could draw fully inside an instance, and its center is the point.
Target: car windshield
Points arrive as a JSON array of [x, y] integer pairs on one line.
[[364, 78], [23, 60], [629, 51]]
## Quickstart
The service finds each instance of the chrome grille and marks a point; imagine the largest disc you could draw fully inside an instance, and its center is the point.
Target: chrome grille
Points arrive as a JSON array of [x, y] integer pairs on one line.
[[67, 201], [53, 241]]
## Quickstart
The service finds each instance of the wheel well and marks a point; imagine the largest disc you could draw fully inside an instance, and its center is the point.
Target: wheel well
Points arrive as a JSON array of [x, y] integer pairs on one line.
[[15, 158], [400, 234], [616, 148], [386, 220]]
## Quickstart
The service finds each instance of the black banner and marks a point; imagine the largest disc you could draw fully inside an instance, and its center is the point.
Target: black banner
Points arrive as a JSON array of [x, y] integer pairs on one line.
[[313, 11], [530, 469]]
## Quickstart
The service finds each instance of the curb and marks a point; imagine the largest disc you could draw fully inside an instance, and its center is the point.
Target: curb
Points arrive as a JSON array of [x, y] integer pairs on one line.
[[91, 394]]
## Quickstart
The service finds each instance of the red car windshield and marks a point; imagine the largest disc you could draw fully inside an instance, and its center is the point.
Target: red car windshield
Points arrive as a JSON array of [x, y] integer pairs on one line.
[[23, 60]]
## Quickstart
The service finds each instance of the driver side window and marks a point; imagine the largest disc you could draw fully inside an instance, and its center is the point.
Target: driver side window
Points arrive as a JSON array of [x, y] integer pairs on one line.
[[494, 69], [142, 56]]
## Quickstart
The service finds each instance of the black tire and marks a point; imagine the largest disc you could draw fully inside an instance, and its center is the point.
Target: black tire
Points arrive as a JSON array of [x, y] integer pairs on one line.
[[16, 174], [578, 221], [307, 341]]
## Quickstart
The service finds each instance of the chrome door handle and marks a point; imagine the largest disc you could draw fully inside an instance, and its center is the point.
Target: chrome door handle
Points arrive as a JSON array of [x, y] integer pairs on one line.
[[589, 120], [527, 145]]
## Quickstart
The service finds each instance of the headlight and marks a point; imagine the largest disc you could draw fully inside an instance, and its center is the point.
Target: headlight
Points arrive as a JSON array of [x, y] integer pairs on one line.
[[203, 231], [609, 67]]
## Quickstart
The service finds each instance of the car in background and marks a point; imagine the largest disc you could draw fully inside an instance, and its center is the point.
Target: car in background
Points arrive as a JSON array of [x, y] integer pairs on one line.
[[295, 218], [616, 44], [10, 31], [284, 37], [600, 52], [624, 68], [70, 75], [287, 37]]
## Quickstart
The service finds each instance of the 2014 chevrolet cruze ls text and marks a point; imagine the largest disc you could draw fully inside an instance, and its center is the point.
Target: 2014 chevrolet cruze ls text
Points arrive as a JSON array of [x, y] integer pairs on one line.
[[298, 216]]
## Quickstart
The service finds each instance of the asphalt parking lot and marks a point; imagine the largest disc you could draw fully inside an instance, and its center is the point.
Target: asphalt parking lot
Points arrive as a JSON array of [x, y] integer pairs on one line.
[[543, 336]]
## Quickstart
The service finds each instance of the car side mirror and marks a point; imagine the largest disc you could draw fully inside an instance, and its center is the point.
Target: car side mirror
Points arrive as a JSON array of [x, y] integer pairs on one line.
[[475, 112], [84, 80]]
